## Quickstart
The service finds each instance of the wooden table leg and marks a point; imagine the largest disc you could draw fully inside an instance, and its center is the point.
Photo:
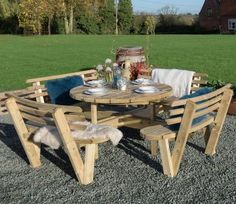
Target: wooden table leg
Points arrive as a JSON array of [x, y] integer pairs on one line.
[[152, 111], [94, 120]]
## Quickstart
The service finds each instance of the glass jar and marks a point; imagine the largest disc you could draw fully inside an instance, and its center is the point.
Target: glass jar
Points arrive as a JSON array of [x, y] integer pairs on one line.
[[116, 75], [122, 84]]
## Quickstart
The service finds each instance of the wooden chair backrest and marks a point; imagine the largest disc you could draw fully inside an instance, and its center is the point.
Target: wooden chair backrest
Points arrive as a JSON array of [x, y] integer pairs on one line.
[[39, 90], [199, 79], [40, 114], [218, 101], [212, 102]]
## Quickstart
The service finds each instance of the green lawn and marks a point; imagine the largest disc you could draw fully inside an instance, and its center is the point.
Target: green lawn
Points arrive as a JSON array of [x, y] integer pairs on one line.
[[28, 57]]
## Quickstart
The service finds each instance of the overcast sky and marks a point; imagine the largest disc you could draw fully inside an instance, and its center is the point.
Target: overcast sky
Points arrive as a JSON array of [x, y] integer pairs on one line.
[[183, 6]]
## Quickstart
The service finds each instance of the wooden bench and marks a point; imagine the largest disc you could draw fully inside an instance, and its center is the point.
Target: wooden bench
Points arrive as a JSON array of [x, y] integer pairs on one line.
[[39, 90], [183, 112], [28, 116]]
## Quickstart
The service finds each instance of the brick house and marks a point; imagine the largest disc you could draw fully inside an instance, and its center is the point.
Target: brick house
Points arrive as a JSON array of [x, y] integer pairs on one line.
[[218, 15]]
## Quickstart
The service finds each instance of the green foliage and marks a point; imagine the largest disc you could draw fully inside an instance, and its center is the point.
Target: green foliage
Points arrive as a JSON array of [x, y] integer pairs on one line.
[[10, 25], [125, 16], [107, 18], [150, 24], [87, 24], [216, 84]]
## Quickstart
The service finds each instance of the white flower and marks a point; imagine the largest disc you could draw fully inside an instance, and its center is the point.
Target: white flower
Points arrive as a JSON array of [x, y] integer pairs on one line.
[[108, 61], [108, 69], [99, 68], [115, 65]]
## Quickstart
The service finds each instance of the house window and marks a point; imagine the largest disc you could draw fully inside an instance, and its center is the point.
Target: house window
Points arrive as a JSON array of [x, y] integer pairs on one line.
[[209, 12], [232, 24]]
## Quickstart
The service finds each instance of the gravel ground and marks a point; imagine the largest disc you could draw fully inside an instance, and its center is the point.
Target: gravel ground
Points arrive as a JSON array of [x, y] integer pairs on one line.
[[123, 174]]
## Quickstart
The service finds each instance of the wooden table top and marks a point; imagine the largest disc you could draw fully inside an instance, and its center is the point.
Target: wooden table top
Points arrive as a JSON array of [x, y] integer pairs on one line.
[[115, 96]]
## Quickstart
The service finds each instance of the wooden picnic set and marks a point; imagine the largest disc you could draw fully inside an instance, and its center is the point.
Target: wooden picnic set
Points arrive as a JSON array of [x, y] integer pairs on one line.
[[133, 102]]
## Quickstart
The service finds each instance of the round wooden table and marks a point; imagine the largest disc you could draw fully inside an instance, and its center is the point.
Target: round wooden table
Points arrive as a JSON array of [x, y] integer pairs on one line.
[[118, 97]]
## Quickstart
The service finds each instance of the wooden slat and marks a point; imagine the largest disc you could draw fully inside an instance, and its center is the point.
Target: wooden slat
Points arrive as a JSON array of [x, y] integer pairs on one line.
[[44, 106], [173, 121], [40, 79], [209, 120], [36, 95], [207, 110], [200, 98], [33, 88], [71, 118], [77, 126], [200, 75], [33, 111], [38, 120], [202, 105], [199, 81]]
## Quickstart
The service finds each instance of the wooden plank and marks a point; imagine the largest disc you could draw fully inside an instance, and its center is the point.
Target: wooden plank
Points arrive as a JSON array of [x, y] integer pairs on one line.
[[182, 136], [166, 157], [69, 144], [32, 150], [38, 120], [91, 71], [202, 124], [200, 75], [39, 98], [154, 145], [200, 98], [201, 82], [89, 161], [219, 122], [43, 106]]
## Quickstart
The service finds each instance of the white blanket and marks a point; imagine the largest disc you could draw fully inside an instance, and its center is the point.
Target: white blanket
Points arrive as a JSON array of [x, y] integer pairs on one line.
[[50, 136], [179, 80]]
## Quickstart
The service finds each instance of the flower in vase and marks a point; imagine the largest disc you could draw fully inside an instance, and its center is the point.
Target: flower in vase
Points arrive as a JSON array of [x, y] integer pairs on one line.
[[108, 61], [99, 68], [108, 69]]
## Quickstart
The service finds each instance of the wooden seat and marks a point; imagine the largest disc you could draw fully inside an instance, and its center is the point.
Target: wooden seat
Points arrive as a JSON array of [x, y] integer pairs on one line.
[[212, 106], [29, 115]]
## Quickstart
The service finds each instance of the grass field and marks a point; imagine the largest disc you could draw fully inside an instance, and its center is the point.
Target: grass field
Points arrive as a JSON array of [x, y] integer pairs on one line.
[[28, 57]]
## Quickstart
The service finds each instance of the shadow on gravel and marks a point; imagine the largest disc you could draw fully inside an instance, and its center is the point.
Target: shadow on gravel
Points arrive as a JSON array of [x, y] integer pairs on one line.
[[61, 160], [198, 148], [137, 150], [9, 137]]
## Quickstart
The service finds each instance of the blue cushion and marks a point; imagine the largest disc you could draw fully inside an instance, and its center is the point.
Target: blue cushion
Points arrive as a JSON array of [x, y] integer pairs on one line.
[[59, 89], [199, 92]]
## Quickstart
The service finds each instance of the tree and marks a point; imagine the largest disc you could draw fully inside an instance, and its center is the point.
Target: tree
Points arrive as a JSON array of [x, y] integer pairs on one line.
[[125, 16], [8, 8], [107, 17], [168, 16], [50, 9], [31, 13], [69, 7], [150, 24]]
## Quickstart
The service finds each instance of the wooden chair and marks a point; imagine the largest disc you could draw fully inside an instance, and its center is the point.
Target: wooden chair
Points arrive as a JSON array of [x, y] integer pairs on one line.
[[39, 91], [184, 112], [28, 116], [199, 79]]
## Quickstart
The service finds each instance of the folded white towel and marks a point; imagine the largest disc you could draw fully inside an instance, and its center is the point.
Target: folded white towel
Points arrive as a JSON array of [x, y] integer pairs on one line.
[[179, 80], [50, 136]]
